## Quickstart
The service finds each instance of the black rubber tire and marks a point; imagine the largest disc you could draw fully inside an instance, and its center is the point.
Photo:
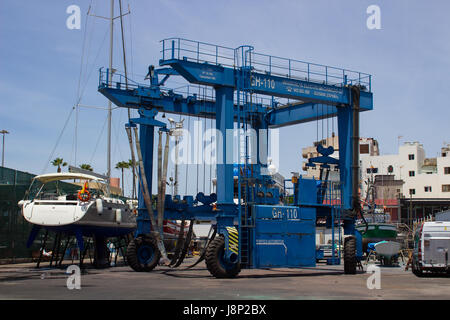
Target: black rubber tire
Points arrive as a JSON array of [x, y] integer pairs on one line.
[[132, 254], [212, 259], [350, 255], [416, 271]]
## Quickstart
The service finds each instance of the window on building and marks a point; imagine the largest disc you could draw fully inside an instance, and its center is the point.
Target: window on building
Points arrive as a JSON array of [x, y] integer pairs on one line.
[[412, 191], [446, 170], [411, 156], [363, 148], [390, 169], [427, 188], [412, 173], [446, 188]]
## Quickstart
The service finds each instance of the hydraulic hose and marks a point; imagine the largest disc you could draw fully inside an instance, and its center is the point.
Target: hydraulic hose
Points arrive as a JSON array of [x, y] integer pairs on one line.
[[202, 256]]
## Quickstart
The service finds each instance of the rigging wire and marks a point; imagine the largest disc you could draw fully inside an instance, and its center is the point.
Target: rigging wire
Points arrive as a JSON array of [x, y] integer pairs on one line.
[[79, 97], [117, 145], [98, 140], [83, 47], [81, 94], [58, 139], [131, 42], [84, 77], [124, 53], [92, 68]]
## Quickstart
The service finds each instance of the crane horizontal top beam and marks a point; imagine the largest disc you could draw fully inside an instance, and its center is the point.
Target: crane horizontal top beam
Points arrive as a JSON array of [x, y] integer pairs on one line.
[[150, 98], [267, 84]]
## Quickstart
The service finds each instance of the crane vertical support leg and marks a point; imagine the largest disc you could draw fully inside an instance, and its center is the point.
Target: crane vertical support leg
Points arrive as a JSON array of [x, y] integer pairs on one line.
[[345, 155], [355, 154], [225, 126], [348, 123], [146, 133]]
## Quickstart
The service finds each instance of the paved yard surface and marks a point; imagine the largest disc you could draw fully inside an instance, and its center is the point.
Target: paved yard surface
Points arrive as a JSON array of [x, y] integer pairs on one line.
[[323, 282]]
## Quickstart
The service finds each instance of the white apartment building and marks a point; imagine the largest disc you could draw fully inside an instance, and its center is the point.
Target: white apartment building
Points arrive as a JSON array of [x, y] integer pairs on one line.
[[423, 177]]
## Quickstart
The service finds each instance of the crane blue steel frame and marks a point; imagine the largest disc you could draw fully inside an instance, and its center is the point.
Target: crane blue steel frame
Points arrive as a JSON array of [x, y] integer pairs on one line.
[[257, 231]]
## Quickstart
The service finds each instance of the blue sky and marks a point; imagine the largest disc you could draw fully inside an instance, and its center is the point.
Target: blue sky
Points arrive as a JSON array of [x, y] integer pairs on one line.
[[40, 66]]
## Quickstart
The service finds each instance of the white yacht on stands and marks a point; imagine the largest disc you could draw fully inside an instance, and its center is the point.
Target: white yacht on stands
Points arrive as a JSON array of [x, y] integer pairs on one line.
[[85, 211]]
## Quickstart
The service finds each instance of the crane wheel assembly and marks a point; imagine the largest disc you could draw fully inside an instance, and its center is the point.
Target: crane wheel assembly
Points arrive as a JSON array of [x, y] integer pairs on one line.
[[350, 255], [216, 263], [143, 254]]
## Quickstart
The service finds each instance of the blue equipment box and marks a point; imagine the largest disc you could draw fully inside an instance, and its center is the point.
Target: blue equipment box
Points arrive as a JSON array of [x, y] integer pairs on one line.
[[284, 236]]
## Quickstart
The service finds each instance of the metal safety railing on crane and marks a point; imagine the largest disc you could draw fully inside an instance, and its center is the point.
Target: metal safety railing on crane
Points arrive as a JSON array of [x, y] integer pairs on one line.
[[202, 52], [118, 81]]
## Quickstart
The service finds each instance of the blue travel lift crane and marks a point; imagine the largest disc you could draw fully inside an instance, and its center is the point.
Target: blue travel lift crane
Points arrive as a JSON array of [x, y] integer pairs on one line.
[[257, 231]]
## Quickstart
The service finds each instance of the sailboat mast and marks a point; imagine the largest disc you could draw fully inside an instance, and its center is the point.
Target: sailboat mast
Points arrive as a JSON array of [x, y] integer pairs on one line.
[[111, 39]]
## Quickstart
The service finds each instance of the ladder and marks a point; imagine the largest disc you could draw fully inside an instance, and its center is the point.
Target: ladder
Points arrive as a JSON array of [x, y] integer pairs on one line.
[[245, 191]]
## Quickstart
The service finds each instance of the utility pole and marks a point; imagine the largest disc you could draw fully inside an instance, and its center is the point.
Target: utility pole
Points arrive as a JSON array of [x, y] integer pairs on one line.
[[3, 132]]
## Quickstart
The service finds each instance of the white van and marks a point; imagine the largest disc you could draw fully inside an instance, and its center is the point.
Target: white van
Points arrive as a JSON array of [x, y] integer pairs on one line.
[[431, 248]]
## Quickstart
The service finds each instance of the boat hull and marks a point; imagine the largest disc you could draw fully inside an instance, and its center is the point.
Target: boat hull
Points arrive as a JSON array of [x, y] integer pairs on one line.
[[387, 249], [377, 232], [113, 219]]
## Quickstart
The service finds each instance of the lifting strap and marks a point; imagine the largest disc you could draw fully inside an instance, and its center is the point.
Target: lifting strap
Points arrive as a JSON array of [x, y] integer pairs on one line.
[[147, 199], [179, 244], [187, 242], [162, 177], [133, 158], [203, 254]]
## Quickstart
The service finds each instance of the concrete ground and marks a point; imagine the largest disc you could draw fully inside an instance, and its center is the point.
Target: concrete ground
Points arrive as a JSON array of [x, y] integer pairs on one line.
[[323, 282]]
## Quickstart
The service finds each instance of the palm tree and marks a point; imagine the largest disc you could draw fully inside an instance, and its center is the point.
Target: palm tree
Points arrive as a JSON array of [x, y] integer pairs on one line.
[[122, 165], [86, 166], [58, 162], [133, 166]]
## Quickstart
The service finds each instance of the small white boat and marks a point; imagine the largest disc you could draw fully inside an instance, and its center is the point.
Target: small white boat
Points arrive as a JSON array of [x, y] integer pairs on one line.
[[387, 249]]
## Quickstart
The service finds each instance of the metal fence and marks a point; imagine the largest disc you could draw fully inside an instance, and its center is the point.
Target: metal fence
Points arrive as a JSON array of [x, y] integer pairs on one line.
[[14, 229]]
